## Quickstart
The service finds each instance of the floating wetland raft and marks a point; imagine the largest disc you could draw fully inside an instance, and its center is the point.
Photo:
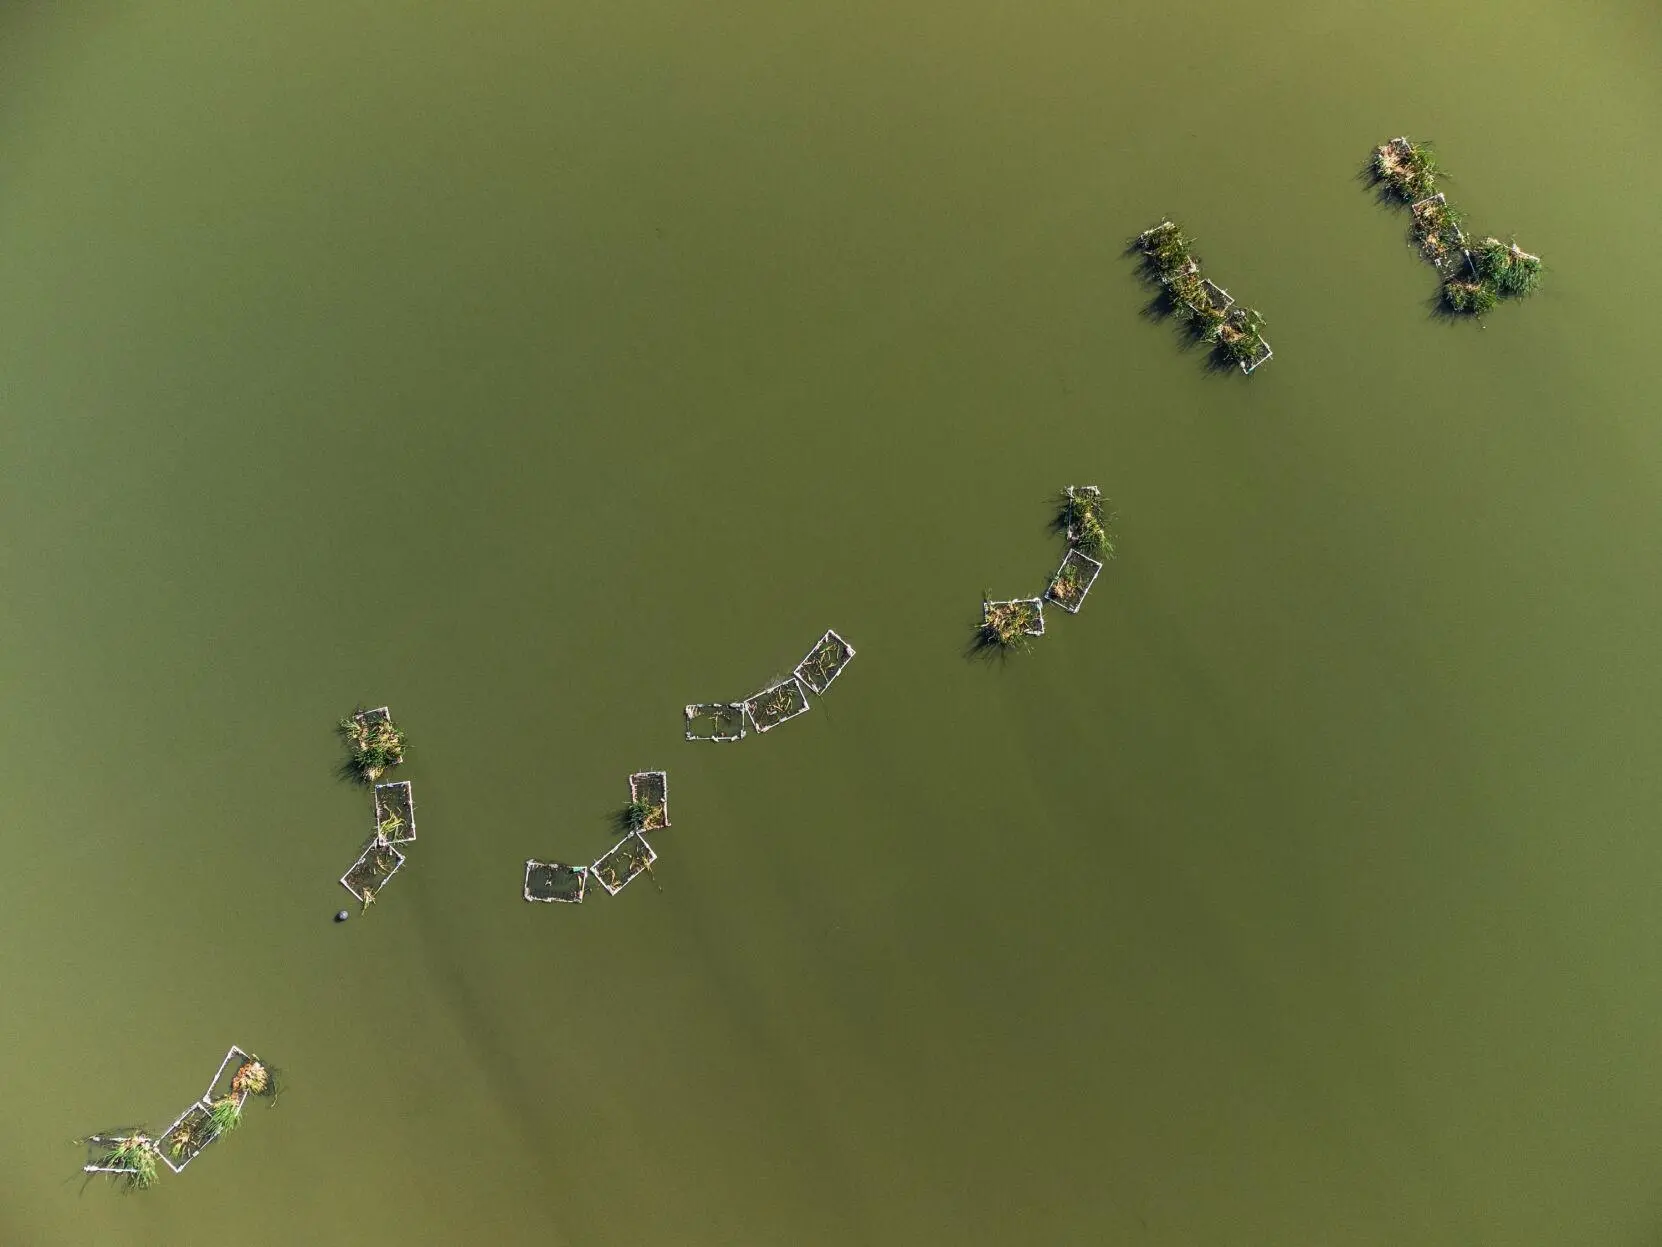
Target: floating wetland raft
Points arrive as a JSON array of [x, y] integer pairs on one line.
[[187, 1137], [1086, 520], [618, 867], [1072, 581], [127, 1157], [777, 704], [374, 744], [1475, 279], [648, 808], [395, 812], [824, 663], [1007, 624], [555, 881], [378, 863], [715, 720], [1210, 311]]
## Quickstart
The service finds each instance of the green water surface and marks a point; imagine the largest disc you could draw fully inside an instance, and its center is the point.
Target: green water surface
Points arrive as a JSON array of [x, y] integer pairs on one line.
[[537, 369]]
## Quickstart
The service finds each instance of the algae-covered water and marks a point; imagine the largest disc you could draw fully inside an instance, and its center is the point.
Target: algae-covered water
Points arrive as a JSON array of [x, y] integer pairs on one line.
[[538, 369]]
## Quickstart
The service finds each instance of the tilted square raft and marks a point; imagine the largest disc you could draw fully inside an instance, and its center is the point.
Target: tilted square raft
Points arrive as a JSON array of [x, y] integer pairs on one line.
[[378, 863], [987, 609], [825, 662], [555, 881], [776, 704], [715, 720], [395, 812], [185, 1139], [1072, 581], [626, 859], [221, 1086], [1219, 298], [371, 717], [1262, 355], [651, 787]]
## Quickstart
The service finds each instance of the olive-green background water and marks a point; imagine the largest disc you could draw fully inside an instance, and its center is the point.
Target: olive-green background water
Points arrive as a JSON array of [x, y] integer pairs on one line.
[[537, 369]]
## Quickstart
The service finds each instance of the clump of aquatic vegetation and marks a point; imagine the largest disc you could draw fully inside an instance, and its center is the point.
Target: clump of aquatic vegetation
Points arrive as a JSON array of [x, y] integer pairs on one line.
[[1008, 624], [1507, 267], [1206, 307], [225, 1114], [1407, 170], [256, 1078], [1241, 335], [127, 1157], [374, 744], [1475, 278], [1439, 229], [1084, 515]]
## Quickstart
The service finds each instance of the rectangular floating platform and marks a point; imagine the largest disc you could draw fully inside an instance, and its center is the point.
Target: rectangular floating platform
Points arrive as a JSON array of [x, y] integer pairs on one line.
[[653, 788], [625, 860], [825, 662], [776, 704], [555, 881], [715, 720], [395, 803], [220, 1086], [187, 1138], [378, 863], [99, 1147], [1091, 495], [1219, 298], [1036, 603], [378, 715], [1087, 571]]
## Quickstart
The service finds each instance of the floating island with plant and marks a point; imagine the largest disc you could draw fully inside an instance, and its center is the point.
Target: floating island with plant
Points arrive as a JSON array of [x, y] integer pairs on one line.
[[1236, 333], [646, 811], [132, 1159], [374, 745], [782, 700], [1475, 277], [648, 808], [1086, 520]]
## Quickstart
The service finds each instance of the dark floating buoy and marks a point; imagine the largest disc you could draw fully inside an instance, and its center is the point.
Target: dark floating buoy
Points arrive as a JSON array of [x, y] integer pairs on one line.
[[342, 916]]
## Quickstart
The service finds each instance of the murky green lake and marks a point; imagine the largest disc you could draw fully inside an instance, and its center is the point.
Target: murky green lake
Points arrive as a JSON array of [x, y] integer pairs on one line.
[[539, 369]]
